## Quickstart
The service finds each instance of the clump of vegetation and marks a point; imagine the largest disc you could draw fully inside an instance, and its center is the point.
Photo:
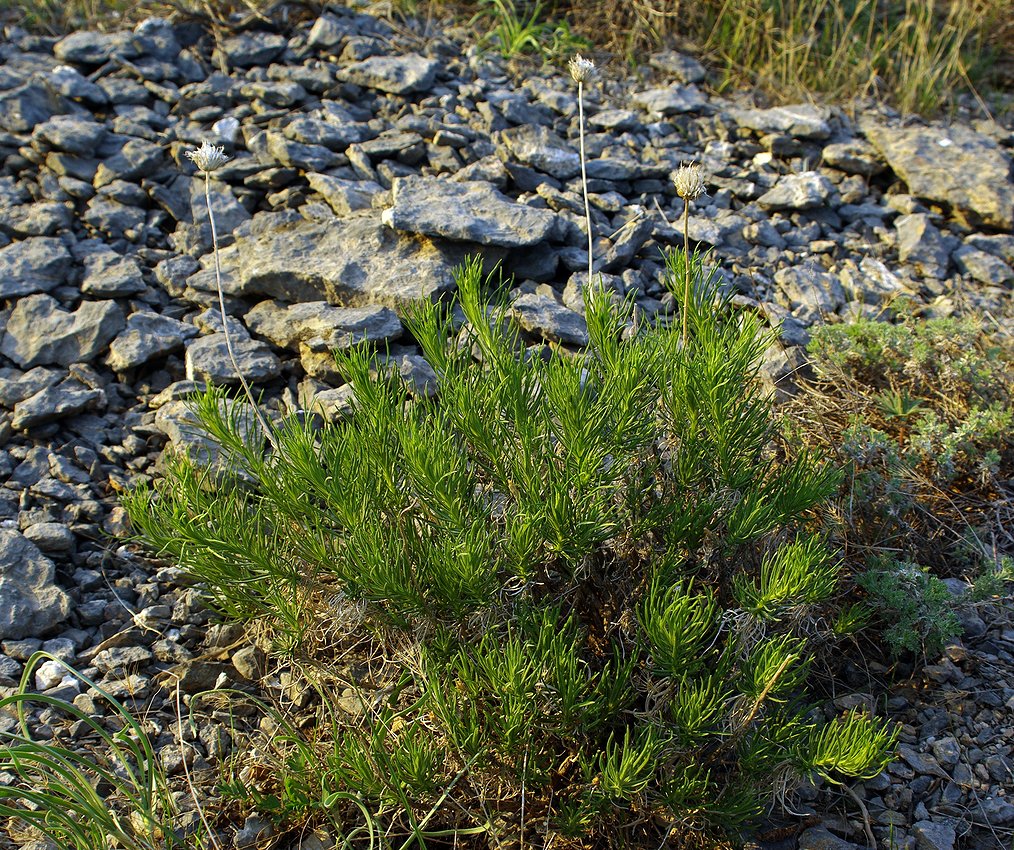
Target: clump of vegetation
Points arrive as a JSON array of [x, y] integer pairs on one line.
[[121, 798], [916, 607], [581, 592], [920, 413]]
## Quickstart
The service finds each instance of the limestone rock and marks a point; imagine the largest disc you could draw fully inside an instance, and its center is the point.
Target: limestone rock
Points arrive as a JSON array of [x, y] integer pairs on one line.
[[147, 335], [951, 165], [540, 148], [921, 243], [56, 402], [393, 74], [542, 314], [358, 262], [30, 603], [803, 191], [800, 120], [467, 212], [36, 264], [207, 359], [40, 332], [335, 327]]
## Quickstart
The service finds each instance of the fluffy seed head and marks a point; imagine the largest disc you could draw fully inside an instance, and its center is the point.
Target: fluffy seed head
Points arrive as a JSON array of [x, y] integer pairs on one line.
[[689, 182], [207, 157], [581, 69]]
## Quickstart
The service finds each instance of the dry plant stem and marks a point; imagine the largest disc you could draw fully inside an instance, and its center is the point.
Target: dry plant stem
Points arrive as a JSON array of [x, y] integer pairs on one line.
[[867, 828], [686, 267], [584, 174], [225, 319]]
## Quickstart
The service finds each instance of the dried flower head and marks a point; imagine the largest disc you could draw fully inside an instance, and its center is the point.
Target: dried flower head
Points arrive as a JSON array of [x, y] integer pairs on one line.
[[581, 69], [689, 182], [207, 157]]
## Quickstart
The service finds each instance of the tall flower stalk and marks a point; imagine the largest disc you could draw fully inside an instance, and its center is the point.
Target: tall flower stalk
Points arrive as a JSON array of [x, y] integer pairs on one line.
[[209, 158], [689, 183], [583, 71]]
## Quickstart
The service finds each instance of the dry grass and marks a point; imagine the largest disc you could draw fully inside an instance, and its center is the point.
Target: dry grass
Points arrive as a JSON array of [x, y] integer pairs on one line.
[[915, 54]]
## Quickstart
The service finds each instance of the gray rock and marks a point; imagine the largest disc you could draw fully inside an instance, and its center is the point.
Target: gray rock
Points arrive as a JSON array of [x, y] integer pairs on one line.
[[36, 264], [207, 359], [800, 120], [43, 218], [73, 84], [392, 74], [114, 220], [856, 156], [359, 263], [40, 332], [872, 282], [468, 212], [809, 291], [297, 155], [30, 603], [16, 385], [25, 107], [332, 404], [952, 165], [137, 158], [252, 49], [178, 421], [78, 134], [803, 191], [94, 48], [819, 838], [327, 31], [947, 751], [685, 68], [250, 662], [412, 369], [934, 836], [994, 811], [59, 401], [345, 196], [921, 244], [983, 267], [674, 100], [147, 335], [111, 275], [336, 135], [626, 243], [119, 660], [335, 327], [542, 314], [540, 148], [52, 538]]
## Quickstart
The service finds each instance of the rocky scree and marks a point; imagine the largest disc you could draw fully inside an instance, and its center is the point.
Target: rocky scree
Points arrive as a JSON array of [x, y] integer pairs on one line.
[[366, 162]]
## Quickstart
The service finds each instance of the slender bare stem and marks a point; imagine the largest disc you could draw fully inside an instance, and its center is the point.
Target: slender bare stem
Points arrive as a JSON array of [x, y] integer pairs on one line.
[[686, 268], [225, 319], [584, 175]]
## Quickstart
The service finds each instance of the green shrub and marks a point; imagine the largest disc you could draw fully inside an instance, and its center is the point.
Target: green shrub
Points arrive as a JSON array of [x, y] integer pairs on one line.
[[921, 416], [916, 607], [583, 585]]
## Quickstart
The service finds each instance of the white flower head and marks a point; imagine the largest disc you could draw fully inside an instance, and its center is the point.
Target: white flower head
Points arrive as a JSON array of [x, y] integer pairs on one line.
[[689, 182], [207, 157], [581, 69]]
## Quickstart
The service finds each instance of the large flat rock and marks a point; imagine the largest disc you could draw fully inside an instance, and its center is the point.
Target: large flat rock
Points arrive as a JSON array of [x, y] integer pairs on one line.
[[467, 212], [352, 262], [955, 165]]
